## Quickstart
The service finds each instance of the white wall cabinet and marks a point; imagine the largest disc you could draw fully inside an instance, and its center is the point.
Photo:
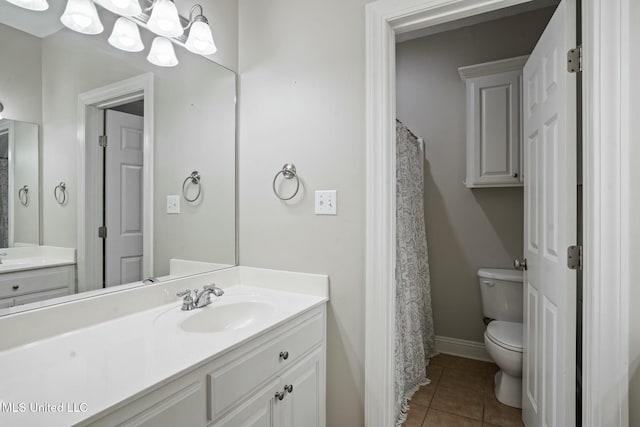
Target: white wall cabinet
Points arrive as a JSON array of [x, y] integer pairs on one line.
[[494, 134], [27, 286], [275, 380]]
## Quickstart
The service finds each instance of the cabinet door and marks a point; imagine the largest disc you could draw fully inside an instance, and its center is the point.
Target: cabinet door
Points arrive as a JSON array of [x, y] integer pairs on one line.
[[304, 405], [6, 303], [257, 411], [40, 296], [493, 140]]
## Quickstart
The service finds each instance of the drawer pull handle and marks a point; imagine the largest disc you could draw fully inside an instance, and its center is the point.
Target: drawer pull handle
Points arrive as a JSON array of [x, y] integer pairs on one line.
[[280, 395], [15, 287], [284, 355], [288, 388]]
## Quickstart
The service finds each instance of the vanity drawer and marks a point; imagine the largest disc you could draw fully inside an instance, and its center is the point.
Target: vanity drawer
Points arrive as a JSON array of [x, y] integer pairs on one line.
[[37, 280], [228, 384]]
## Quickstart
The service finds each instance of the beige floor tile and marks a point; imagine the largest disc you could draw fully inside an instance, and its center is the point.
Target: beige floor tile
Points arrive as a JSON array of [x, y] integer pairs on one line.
[[415, 416], [464, 402], [437, 418], [456, 378], [499, 414], [434, 373], [489, 425], [443, 360], [472, 365], [424, 394], [490, 383]]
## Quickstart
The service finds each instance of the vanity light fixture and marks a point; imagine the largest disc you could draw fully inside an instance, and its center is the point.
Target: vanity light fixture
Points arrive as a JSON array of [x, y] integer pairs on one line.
[[162, 53], [37, 5], [82, 16], [1, 110], [126, 36], [164, 19], [200, 38], [121, 7]]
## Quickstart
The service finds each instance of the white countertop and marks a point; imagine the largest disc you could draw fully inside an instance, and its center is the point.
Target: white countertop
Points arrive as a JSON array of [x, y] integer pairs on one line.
[[33, 263], [86, 371]]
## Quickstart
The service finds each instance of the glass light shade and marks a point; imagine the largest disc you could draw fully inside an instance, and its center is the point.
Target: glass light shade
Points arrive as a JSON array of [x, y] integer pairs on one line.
[[37, 5], [164, 20], [121, 7], [162, 53], [126, 36], [200, 39], [82, 16]]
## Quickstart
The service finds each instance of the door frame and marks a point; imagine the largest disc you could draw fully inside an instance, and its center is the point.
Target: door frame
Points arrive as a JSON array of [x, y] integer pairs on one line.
[[6, 126], [90, 126], [606, 145]]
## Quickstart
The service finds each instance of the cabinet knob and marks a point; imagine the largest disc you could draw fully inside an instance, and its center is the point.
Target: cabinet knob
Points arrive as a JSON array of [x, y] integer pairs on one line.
[[280, 395], [288, 388], [284, 355], [15, 287], [515, 175]]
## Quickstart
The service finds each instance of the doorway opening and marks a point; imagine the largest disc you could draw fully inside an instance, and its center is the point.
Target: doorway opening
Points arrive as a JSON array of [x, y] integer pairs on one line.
[[115, 213]]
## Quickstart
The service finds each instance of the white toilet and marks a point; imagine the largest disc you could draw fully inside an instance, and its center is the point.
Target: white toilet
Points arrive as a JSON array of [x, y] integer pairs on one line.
[[501, 293]]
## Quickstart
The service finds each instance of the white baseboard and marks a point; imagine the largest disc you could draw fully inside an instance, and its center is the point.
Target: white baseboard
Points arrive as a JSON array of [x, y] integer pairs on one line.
[[463, 348]]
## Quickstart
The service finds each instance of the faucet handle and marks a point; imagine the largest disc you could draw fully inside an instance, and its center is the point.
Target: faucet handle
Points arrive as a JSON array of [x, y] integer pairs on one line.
[[184, 293]]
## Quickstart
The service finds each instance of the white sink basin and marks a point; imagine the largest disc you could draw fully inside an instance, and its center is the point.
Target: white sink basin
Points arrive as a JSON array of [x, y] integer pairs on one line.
[[216, 318]]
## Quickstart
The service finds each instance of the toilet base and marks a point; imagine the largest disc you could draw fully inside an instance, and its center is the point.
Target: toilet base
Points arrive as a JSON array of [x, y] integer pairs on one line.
[[508, 389]]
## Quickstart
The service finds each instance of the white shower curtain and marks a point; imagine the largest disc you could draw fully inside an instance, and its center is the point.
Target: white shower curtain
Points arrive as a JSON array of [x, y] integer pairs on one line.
[[414, 320]]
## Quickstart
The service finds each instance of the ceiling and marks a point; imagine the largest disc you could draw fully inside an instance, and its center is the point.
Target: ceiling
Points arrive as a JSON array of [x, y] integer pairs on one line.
[[476, 19], [39, 24]]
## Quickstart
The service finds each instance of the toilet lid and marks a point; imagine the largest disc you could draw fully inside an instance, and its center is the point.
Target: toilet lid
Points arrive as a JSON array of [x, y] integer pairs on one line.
[[506, 334]]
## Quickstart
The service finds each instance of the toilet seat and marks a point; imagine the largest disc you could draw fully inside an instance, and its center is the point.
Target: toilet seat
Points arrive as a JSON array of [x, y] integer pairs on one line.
[[507, 335]]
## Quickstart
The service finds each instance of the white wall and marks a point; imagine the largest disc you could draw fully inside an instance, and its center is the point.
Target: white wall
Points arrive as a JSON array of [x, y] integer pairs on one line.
[[302, 101], [466, 229], [634, 238], [21, 75], [25, 158]]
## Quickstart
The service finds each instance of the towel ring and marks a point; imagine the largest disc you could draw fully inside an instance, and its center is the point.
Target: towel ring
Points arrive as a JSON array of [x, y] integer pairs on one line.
[[195, 179], [288, 172], [23, 195], [60, 193]]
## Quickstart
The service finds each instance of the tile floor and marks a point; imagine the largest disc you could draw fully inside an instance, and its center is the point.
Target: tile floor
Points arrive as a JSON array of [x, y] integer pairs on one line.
[[460, 395]]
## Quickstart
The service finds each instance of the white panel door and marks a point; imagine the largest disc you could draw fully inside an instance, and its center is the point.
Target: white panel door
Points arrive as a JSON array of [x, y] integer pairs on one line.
[[301, 405], [549, 106], [123, 198]]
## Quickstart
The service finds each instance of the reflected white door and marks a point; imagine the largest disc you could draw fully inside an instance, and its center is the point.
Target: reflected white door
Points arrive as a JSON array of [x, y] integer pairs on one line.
[[549, 106], [123, 198]]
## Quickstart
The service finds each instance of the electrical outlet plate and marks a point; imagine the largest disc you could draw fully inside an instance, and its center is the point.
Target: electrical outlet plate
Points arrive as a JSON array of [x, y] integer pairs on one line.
[[173, 204], [326, 202]]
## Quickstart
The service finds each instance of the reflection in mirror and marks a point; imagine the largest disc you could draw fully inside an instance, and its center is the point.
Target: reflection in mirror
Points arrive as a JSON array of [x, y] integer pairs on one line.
[[19, 199], [104, 212]]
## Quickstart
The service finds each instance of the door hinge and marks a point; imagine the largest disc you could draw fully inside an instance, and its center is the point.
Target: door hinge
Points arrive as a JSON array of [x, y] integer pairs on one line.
[[102, 140], [574, 257], [102, 232], [574, 60]]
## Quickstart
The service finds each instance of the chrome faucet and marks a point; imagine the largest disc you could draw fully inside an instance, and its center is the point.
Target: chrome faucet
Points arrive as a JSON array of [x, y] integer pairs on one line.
[[200, 298]]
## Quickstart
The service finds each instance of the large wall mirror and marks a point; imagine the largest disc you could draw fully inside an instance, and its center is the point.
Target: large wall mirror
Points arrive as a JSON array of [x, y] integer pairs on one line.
[[113, 171]]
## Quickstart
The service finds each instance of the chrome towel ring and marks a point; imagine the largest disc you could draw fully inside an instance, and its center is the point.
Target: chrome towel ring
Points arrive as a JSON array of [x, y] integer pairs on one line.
[[194, 178], [23, 195], [60, 193], [288, 172]]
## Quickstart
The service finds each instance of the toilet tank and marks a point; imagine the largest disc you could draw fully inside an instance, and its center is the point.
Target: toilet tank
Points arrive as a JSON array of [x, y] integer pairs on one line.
[[501, 293]]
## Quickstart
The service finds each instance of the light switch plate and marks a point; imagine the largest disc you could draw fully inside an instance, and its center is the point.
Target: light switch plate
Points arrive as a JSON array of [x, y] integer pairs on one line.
[[173, 204], [326, 202]]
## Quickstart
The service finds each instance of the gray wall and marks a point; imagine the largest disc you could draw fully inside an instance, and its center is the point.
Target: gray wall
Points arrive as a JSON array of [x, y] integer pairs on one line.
[[466, 229], [302, 100]]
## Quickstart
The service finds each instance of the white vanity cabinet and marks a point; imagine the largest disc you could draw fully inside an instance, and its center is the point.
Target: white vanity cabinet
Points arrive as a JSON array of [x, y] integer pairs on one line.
[[275, 379], [27, 286], [494, 135]]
